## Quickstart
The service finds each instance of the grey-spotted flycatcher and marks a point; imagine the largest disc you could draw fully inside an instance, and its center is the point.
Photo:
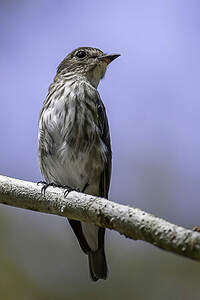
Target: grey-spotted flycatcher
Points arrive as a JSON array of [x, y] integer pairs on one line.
[[74, 141]]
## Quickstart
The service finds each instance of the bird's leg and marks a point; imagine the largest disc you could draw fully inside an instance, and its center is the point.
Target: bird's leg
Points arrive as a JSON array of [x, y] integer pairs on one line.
[[85, 187]]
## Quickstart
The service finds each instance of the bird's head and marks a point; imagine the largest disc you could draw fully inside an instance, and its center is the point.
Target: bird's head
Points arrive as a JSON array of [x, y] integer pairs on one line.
[[88, 62]]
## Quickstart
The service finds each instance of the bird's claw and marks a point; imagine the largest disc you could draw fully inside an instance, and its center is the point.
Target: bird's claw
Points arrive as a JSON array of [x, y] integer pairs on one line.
[[46, 185], [67, 190], [41, 182]]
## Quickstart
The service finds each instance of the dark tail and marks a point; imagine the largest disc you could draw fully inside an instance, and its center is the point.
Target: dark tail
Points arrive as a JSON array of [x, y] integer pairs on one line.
[[97, 264]]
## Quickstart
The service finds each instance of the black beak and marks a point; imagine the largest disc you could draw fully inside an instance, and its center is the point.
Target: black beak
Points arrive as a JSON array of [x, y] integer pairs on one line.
[[109, 58]]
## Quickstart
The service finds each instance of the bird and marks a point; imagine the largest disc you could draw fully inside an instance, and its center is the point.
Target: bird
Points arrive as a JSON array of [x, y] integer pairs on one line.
[[74, 145]]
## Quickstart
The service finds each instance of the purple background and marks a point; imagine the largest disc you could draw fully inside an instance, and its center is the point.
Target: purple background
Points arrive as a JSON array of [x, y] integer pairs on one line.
[[151, 94]]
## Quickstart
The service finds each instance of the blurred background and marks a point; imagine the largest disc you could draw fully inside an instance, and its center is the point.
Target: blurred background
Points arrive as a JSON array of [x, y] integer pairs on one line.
[[151, 94]]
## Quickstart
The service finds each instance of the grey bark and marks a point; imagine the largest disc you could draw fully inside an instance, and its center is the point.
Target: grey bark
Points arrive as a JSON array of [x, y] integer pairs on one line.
[[131, 222]]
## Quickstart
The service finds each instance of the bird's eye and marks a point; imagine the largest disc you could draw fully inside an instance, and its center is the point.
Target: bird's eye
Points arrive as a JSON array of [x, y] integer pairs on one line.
[[80, 54]]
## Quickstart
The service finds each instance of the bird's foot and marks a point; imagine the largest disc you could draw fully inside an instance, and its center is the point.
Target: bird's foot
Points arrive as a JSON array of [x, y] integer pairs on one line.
[[41, 182], [46, 185], [69, 189]]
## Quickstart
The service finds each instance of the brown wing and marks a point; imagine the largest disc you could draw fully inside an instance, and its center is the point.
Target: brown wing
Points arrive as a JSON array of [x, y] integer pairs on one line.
[[97, 259], [105, 135]]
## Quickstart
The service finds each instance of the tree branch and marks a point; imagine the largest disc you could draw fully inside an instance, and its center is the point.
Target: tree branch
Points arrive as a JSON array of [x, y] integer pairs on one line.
[[131, 222]]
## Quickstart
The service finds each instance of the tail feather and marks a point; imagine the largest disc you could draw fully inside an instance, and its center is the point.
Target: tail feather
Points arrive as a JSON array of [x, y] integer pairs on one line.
[[97, 264]]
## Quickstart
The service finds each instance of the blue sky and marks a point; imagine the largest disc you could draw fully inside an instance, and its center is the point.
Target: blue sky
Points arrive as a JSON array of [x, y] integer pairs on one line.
[[151, 92]]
